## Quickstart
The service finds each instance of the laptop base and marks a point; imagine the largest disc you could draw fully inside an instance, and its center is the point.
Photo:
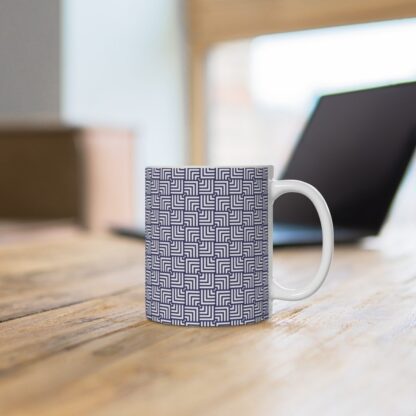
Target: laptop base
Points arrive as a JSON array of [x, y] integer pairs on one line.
[[284, 235], [302, 235]]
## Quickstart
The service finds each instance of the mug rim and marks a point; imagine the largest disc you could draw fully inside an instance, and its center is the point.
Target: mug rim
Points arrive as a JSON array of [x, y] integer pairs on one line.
[[208, 166]]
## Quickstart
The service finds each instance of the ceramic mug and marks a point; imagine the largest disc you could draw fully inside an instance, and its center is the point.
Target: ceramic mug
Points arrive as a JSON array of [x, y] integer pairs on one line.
[[209, 244]]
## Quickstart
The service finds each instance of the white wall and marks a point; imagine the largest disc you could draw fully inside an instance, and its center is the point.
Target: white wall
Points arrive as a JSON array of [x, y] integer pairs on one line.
[[123, 63], [29, 59]]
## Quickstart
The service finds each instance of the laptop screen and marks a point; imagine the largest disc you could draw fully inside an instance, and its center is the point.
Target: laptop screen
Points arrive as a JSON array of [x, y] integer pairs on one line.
[[354, 150]]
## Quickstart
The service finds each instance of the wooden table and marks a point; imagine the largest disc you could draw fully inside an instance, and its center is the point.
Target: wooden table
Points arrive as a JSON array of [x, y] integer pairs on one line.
[[74, 339]]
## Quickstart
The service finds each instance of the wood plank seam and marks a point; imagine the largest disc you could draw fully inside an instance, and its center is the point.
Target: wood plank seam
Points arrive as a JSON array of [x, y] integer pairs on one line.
[[64, 305]]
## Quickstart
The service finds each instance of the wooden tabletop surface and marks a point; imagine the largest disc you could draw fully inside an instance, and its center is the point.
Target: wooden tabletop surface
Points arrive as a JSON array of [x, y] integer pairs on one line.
[[74, 339]]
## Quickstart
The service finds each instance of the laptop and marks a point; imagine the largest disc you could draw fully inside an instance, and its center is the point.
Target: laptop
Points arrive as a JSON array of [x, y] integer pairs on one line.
[[354, 149]]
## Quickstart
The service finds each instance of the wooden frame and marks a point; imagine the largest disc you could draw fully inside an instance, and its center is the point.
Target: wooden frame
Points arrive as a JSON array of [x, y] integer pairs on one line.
[[214, 21]]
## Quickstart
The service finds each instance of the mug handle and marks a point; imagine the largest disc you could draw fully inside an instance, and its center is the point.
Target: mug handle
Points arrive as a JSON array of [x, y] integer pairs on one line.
[[279, 188]]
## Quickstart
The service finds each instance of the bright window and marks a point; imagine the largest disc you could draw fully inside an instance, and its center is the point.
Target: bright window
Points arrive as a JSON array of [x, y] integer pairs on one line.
[[261, 91]]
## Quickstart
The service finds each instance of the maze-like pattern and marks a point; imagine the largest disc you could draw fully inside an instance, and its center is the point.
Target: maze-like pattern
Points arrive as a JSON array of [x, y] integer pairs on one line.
[[207, 245]]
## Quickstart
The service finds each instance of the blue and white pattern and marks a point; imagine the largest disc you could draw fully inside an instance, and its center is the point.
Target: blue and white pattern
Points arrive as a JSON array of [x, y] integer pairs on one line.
[[207, 245]]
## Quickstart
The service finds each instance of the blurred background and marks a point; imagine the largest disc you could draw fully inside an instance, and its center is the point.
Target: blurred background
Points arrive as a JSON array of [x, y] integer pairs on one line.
[[93, 91]]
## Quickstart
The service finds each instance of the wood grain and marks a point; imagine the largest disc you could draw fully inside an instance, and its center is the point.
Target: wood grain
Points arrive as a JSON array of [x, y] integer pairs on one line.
[[350, 349], [72, 271]]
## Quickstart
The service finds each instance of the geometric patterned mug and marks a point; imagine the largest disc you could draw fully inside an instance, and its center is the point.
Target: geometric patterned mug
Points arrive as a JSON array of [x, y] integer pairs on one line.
[[209, 244]]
